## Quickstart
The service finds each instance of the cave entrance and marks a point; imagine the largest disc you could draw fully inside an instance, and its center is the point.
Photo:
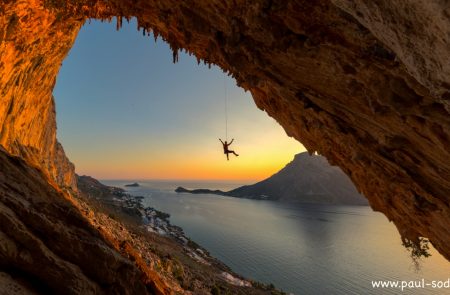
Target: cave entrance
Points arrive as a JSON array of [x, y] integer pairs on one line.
[[125, 110], [118, 135]]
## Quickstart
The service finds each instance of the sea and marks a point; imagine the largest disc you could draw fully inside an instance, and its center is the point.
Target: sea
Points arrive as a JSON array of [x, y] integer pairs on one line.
[[300, 248]]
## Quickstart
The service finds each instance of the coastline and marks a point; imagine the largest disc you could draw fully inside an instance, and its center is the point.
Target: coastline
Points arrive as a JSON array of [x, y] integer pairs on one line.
[[155, 221], [188, 262], [260, 197]]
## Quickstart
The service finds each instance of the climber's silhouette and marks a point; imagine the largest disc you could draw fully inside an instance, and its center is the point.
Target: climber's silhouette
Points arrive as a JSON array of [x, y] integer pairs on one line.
[[226, 151]]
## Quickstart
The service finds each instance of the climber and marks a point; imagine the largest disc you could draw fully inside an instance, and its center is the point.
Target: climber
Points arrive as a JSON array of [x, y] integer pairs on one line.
[[226, 150]]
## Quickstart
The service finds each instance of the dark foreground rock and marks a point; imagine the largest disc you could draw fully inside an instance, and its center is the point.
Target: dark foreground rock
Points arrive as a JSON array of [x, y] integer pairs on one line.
[[48, 245]]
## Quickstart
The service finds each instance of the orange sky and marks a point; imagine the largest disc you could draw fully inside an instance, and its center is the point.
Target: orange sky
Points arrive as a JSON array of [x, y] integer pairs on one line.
[[259, 158]]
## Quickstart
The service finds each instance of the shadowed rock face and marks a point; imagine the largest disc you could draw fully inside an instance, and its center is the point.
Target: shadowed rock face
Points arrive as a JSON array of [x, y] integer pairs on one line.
[[47, 246], [365, 85]]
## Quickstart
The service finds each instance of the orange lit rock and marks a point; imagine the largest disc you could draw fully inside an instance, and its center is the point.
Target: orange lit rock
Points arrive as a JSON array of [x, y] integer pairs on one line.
[[365, 85], [33, 45]]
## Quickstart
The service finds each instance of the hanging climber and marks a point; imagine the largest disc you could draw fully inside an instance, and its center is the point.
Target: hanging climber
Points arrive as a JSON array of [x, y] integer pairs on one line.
[[226, 151]]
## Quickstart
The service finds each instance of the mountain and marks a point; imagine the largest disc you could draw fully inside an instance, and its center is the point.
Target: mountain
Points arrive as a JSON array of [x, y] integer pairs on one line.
[[306, 179]]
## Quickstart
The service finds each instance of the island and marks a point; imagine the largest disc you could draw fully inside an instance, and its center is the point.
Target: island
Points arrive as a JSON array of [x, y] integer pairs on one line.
[[132, 185], [181, 189], [306, 179]]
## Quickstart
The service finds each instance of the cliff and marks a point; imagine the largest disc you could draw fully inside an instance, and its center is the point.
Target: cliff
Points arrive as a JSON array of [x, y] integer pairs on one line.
[[306, 179], [49, 243], [367, 85], [33, 45]]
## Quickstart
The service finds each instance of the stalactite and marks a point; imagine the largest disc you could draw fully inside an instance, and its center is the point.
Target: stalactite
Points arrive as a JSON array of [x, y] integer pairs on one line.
[[175, 55], [119, 23]]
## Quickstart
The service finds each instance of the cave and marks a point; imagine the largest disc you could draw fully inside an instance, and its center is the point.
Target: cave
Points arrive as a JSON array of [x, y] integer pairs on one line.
[[367, 85]]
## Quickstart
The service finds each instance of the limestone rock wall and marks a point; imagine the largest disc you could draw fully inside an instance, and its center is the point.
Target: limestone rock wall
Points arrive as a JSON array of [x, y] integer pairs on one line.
[[365, 85], [417, 31], [33, 44]]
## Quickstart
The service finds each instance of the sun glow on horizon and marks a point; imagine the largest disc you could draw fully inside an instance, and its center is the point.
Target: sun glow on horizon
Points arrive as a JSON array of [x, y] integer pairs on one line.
[[125, 111], [215, 167]]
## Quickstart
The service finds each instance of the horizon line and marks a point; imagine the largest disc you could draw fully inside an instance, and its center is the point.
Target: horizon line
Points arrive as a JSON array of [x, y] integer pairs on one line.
[[178, 179]]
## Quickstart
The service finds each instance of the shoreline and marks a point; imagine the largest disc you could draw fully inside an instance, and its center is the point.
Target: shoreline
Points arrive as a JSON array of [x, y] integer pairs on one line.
[[161, 246], [157, 222], [229, 194]]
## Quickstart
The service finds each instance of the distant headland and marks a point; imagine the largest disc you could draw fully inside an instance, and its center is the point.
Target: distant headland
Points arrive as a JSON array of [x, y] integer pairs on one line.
[[181, 189], [306, 179], [135, 184]]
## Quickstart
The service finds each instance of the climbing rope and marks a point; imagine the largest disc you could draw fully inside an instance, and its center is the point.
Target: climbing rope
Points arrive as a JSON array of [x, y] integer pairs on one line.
[[226, 107]]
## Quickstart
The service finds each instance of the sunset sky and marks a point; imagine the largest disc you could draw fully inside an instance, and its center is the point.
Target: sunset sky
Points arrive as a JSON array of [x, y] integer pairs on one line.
[[125, 111]]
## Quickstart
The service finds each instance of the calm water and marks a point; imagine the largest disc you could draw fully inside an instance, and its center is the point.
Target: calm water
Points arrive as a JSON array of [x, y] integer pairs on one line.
[[303, 249]]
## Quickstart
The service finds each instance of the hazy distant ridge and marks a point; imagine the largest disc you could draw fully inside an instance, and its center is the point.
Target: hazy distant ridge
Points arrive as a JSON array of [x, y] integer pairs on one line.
[[308, 179]]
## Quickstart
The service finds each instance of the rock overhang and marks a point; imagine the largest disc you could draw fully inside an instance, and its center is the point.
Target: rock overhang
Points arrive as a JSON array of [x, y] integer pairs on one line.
[[365, 85]]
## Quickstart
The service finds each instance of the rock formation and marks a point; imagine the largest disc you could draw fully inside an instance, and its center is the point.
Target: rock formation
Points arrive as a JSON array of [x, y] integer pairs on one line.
[[49, 246], [367, 85], [306, 179], [32, 46]]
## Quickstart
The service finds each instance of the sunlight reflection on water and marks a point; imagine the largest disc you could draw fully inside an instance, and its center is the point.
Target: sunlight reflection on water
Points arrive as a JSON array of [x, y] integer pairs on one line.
[[304, 249]]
